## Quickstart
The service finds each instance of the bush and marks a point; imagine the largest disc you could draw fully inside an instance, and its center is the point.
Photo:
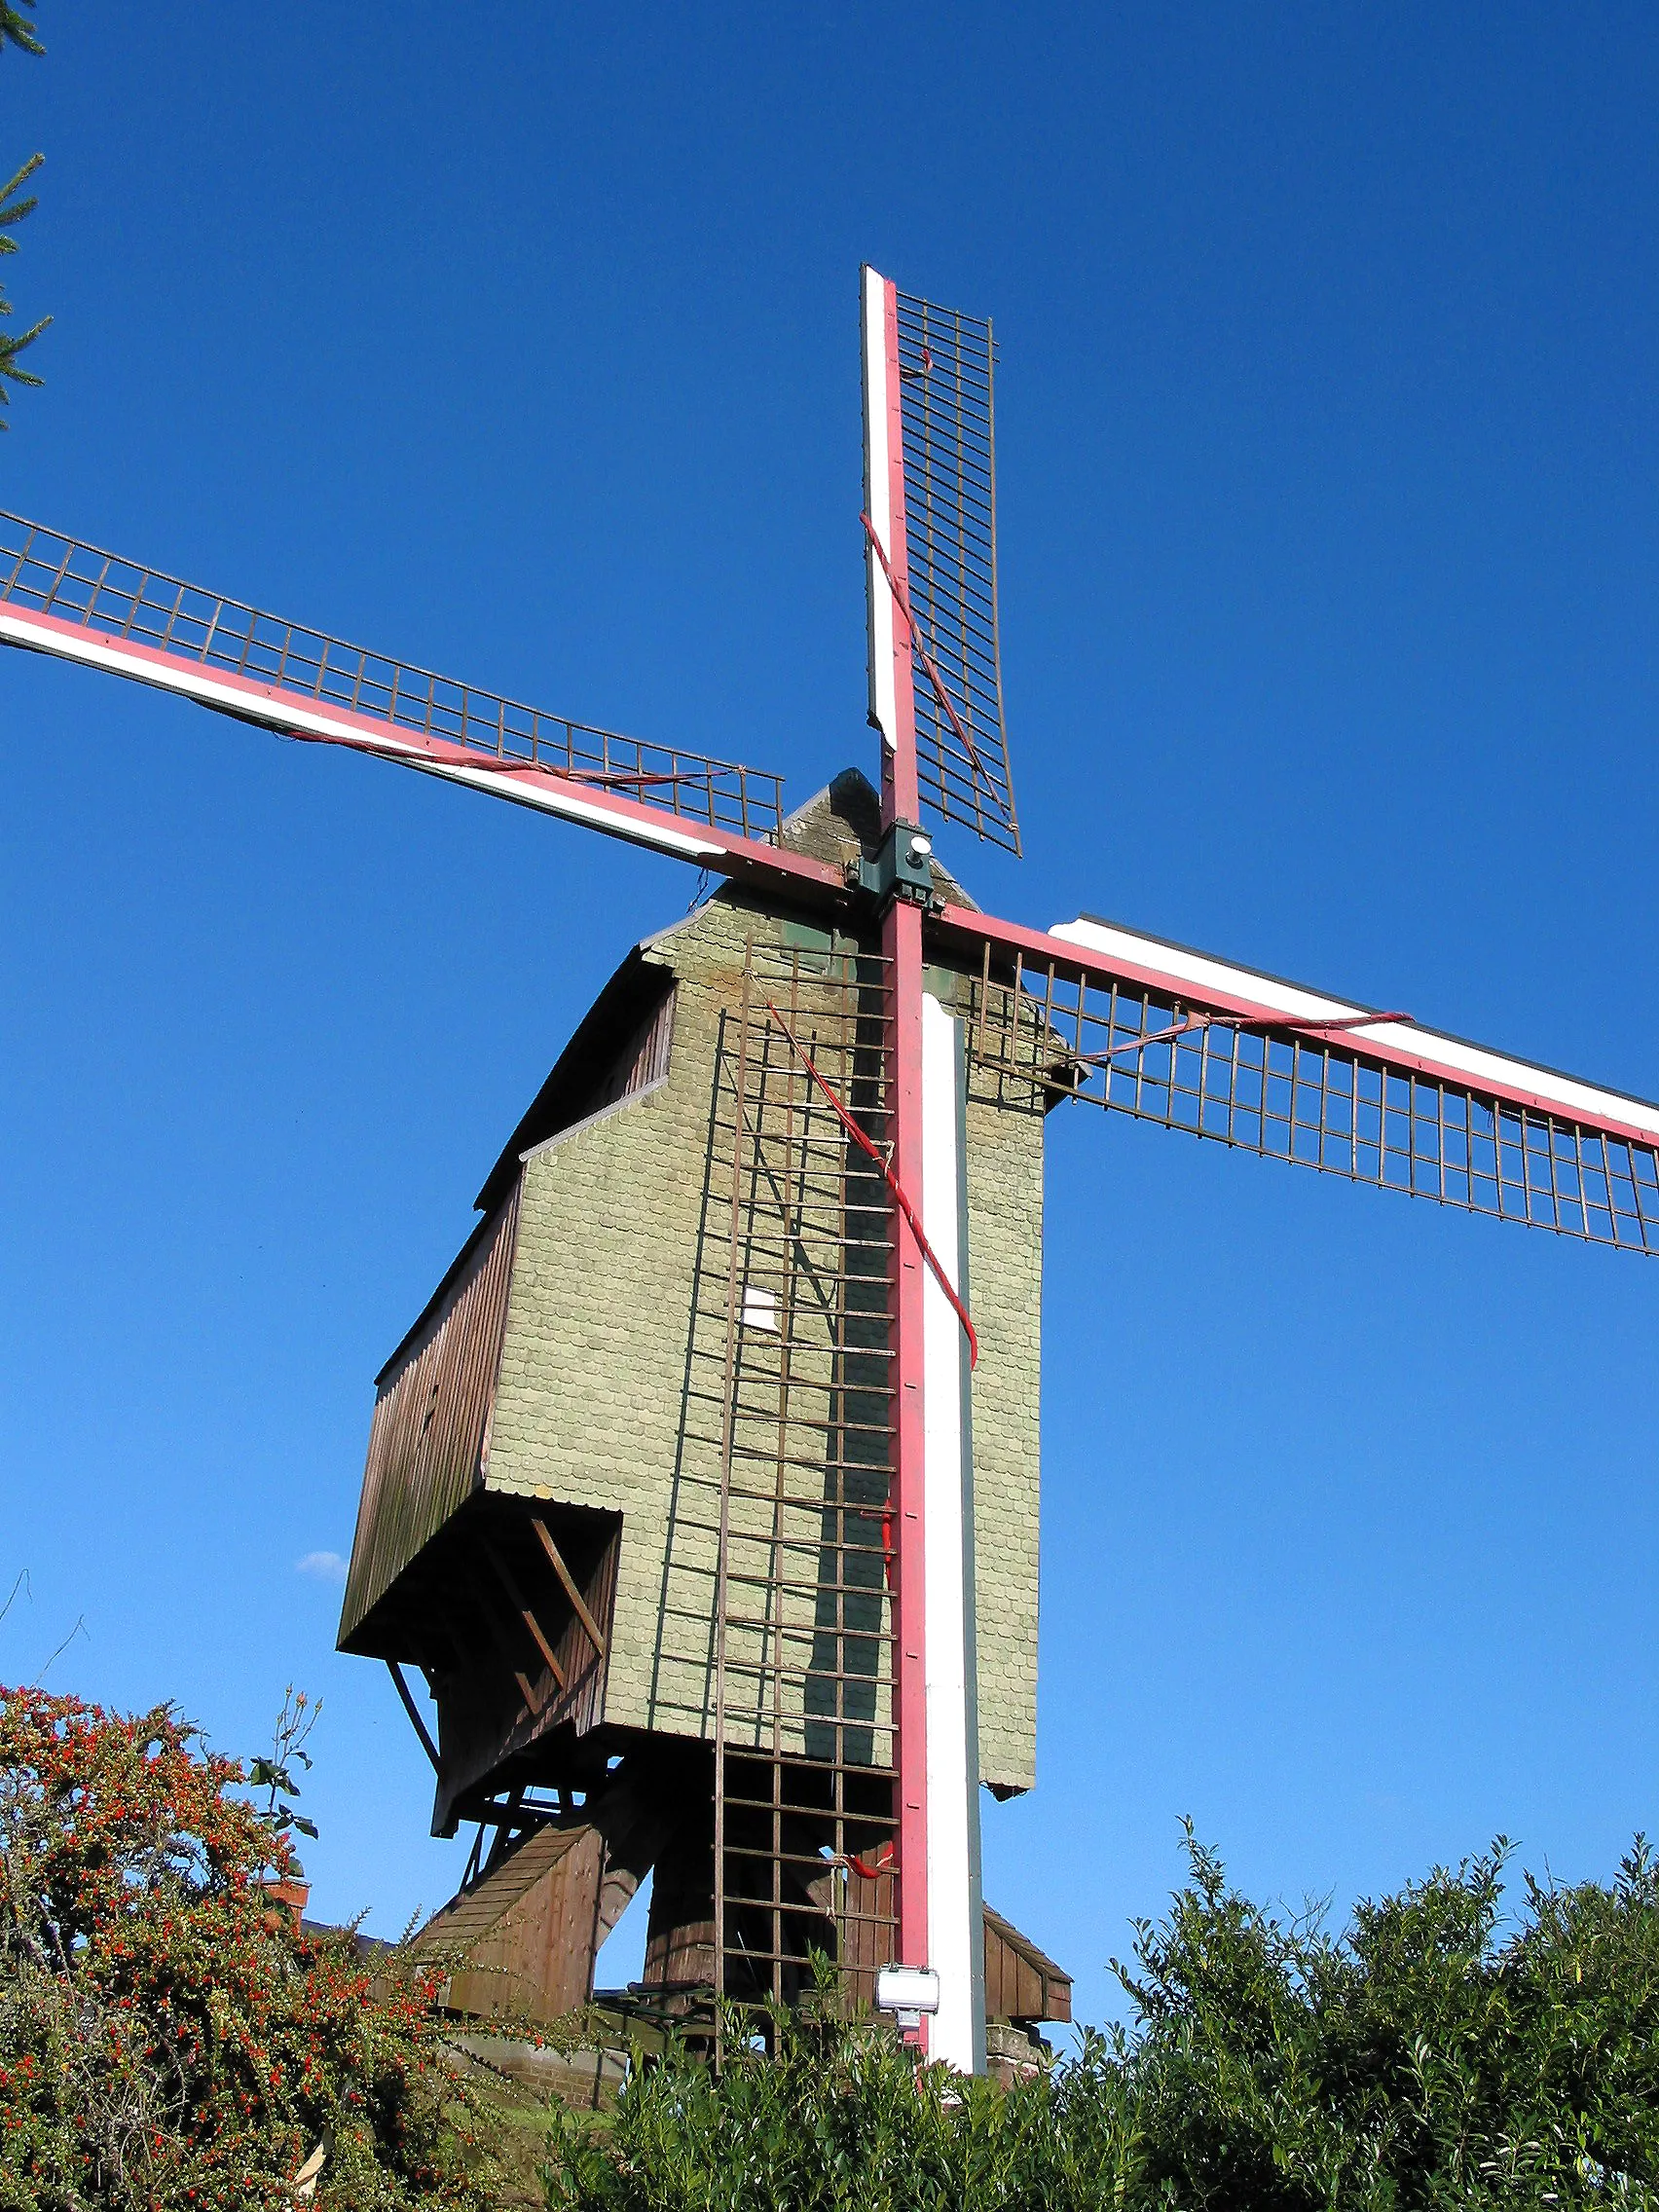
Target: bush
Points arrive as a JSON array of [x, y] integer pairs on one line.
[[167, 2038], [1423, 2059], [1420, 2059], [841, 2117]]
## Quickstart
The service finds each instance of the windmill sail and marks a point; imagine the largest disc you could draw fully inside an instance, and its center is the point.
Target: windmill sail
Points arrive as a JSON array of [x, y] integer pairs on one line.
[[1096, 1012], [59, 595], [946, 368]]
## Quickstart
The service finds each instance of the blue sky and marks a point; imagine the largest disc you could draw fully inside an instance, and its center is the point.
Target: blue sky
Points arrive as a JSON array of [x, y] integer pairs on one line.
[[522, 341]]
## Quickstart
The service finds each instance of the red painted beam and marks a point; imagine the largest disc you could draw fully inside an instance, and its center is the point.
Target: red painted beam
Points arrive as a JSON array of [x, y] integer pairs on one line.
[[893, 711], [901, 947]]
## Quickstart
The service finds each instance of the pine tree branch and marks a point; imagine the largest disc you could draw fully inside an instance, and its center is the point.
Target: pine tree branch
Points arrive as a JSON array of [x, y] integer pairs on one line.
[[14, 28], [10, 349], [13, 211]]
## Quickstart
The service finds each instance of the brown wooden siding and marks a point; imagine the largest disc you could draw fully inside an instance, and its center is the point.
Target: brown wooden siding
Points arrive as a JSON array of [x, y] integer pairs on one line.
[[620, 1046], [869, 1909], [1021, 1982], [643, 1060], [431, 1424], [522, 1939]]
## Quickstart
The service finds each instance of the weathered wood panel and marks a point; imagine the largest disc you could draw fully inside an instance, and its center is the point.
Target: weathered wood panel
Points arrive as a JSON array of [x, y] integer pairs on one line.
[[866, 1915], [431, 1424], [1021, 1982], [527, 1933], [643, 1059]]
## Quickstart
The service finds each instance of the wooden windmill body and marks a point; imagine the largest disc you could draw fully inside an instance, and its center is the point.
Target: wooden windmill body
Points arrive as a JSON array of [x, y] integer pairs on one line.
[[704, 1492], [611, 1392]]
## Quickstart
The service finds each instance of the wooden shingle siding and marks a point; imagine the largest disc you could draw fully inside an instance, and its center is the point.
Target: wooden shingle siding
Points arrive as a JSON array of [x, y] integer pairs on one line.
[[431, 1424]]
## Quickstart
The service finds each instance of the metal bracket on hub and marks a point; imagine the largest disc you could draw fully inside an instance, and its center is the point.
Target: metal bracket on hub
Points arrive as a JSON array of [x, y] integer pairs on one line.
[[902, 866]]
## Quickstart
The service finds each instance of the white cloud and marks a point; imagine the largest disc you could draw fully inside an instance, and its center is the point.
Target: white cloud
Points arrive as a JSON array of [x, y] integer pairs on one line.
[[323, 1566]]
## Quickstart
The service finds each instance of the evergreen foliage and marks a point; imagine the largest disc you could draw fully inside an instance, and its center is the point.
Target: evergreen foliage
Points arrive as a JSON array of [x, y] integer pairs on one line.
[[1424, 2060], [168, 2037], [17, 30]]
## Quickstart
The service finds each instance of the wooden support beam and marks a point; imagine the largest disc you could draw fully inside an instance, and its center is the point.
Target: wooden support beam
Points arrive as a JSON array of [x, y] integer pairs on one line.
[[515, 1598], [533, 1703], [570, 1582], [408, 1706], [502, 1842], [515, 1814]]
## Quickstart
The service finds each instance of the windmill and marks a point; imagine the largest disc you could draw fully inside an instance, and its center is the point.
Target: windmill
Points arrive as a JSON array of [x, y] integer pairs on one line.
[[754, 1645]]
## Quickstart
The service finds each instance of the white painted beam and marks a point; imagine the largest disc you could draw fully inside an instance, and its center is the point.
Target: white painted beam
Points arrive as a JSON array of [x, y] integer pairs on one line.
[[878, 505], [955, 1911]]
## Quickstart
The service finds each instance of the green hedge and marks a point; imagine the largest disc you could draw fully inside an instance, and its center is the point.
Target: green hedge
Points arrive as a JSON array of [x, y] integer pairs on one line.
[[1428, 2056]]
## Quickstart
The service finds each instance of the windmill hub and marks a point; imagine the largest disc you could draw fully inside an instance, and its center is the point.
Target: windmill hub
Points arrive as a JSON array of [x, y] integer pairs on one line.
[[900, 868]]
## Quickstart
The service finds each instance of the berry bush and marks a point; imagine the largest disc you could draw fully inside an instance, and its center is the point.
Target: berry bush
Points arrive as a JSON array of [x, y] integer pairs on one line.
[[167, 2035]]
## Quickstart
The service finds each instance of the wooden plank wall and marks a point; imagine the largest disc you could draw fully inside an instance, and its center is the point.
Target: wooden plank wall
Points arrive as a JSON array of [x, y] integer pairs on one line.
[[486, 1720], [431, 1419], [1021, 1982], [525, 1935], [643, 1060]]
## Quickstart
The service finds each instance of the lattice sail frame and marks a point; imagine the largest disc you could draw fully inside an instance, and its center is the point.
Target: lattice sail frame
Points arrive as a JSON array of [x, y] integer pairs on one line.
[[43, 573], [1307, 1093], [947, 405]]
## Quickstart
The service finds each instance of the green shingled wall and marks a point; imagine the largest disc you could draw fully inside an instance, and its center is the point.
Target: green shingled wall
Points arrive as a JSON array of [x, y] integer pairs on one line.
[[1005, 1264], [594, 1365]]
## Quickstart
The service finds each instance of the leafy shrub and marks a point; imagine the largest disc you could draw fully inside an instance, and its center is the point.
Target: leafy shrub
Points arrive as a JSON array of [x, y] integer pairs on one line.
[[167, 2038], [838, 2115], [1423, 2059]]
